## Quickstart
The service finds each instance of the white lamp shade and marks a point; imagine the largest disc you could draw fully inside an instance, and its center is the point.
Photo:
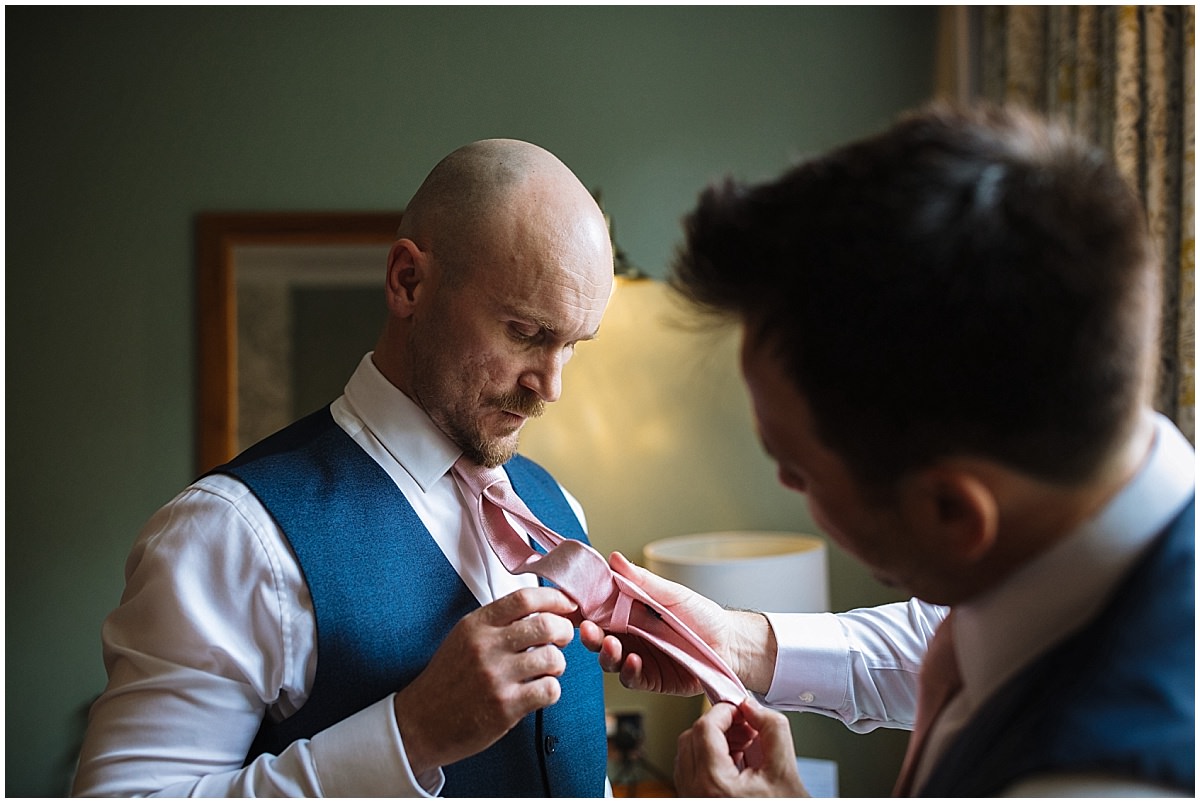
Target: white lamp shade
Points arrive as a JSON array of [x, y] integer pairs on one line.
[[763, 571]]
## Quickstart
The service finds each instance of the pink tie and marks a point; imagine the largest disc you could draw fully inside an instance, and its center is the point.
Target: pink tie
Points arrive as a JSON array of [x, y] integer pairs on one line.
[[604, 597], [938, 682]]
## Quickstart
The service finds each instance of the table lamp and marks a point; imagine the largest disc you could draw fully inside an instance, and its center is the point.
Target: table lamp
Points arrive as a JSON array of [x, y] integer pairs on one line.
[[762, 571]]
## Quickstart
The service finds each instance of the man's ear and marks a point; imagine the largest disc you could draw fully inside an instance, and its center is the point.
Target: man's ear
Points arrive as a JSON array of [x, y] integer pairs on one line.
[[955, 507], [408, 270]]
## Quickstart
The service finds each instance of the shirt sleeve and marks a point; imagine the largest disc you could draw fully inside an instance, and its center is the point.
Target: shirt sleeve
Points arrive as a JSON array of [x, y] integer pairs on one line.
[[860, 666], [213, 633]]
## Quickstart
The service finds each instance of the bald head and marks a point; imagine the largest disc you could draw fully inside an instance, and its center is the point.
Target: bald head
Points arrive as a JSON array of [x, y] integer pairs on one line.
[[479, 190], [502, 265]]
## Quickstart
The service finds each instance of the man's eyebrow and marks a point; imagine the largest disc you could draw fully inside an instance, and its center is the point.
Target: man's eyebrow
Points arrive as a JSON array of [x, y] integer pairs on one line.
[[529, 316], [546, 326]]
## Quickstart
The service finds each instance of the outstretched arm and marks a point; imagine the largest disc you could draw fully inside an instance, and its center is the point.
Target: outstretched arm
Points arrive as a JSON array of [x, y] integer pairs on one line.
[[743, 639]]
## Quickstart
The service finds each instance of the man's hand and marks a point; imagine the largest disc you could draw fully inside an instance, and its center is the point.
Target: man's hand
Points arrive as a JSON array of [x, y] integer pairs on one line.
[[742, 639], [498, 664], [738, 751]]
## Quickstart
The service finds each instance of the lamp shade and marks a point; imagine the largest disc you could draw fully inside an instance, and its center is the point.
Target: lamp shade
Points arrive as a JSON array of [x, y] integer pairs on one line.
[[763, 571]]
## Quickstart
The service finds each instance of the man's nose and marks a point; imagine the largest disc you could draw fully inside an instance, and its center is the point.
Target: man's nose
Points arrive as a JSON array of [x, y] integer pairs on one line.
[[545, 377]]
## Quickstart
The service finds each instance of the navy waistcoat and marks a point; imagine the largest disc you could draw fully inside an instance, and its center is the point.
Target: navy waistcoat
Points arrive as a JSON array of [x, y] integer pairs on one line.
[[380, 618], [1118, 697]]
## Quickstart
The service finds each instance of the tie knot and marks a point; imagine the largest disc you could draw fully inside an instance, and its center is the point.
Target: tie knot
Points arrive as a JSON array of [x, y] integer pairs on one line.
[[478, 478]]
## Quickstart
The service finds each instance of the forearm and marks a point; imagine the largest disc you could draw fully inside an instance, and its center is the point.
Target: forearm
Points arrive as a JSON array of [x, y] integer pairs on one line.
[[753, 649], [860, 667], [180, 735], [148, 734]]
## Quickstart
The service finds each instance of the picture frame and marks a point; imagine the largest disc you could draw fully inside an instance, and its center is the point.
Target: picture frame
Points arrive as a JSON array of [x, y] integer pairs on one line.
[[302, 242]]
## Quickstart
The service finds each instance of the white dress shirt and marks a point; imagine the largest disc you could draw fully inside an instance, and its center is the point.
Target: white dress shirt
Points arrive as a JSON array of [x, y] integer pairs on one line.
[[216, 629], [861, 667]]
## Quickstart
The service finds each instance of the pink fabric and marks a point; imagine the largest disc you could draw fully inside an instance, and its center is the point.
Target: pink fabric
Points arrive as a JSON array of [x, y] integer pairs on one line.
[[606, 598], [938, 683]]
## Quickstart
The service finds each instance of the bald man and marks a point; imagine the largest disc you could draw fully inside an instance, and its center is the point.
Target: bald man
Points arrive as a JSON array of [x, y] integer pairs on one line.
[[321, 616]]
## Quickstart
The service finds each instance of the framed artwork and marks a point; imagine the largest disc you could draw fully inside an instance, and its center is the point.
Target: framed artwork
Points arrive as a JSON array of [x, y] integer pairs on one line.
[[283, 299]]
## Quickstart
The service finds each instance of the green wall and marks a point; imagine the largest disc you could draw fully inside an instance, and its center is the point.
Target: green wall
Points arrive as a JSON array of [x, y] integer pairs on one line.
[[123, 123]]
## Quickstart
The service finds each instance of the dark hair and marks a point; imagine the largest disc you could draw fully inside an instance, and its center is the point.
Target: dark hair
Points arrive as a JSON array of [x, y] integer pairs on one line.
[[970, 282]]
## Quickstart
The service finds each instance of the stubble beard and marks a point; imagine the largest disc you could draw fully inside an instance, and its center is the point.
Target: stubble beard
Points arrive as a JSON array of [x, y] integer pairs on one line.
[[490, 451]]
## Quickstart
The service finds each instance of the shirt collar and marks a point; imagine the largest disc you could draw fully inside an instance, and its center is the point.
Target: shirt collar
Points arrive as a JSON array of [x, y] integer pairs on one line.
[[1061, 590], [403, 429]]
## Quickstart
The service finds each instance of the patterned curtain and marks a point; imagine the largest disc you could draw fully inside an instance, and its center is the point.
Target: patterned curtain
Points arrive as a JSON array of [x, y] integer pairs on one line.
[[1123, 76]]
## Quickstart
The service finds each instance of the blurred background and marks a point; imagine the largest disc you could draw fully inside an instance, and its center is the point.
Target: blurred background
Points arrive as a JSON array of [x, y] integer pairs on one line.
[[123, 124]]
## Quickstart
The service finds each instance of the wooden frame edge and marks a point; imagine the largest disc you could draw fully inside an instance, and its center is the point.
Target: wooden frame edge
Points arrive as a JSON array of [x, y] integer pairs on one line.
[[217, 235]]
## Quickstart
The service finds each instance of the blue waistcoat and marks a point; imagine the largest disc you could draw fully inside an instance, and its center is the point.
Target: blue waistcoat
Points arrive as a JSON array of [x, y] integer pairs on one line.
[[379, 619], [1118, 697]]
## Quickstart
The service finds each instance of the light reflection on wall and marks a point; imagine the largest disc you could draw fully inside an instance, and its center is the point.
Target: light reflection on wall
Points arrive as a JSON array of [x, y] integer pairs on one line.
[[653, 432]]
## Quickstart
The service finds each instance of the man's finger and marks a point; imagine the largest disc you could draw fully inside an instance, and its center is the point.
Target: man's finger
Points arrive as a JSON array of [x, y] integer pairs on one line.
[[520, 604], [540, 628]]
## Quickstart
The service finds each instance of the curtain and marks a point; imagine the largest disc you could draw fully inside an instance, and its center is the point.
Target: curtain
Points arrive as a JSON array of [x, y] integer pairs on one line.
[[1123, 76]]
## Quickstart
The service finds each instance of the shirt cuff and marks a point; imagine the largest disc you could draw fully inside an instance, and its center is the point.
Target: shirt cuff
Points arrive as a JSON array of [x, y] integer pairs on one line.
[[363, 756], [812, 668]]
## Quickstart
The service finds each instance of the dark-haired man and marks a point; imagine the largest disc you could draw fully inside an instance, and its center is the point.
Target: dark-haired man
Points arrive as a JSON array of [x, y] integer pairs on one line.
[[949, 341]]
